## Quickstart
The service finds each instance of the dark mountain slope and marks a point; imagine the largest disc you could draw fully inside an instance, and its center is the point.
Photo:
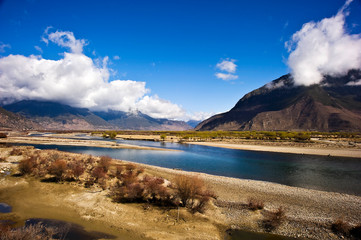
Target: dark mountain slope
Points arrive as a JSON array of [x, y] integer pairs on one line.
[[333, 105], [12, 121], [139, 121], [58, 116]]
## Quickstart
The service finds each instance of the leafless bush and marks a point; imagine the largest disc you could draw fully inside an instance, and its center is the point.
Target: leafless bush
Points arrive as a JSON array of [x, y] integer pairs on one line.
[[77, 169], [273, 219], [254, 204], [192, 193], [16, 152], [104, 162], [98, 173], [3, 135], [340, 226], [155, 192], [58, 169], [132, 192], [31, 232], [27, 166]]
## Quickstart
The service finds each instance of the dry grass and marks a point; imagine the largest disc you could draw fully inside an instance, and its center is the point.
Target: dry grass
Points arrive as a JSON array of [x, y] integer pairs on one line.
[[31, 232]]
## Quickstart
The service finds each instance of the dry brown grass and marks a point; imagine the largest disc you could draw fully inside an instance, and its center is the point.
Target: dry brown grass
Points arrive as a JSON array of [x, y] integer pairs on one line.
[[32, 232]]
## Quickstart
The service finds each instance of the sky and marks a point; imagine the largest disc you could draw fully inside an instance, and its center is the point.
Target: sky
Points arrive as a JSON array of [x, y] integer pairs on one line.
[[174, 59]]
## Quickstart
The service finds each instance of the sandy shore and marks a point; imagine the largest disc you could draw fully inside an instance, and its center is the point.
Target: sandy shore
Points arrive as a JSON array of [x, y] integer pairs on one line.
[[76, 142], [345, 152]]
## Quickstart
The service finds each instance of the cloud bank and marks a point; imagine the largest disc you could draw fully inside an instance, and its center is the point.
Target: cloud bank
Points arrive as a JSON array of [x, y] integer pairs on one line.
[[77, 80], [229, 68], [323, 48]]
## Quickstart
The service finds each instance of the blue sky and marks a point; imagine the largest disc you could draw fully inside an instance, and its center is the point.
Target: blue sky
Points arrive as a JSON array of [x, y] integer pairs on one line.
[[173, 46]]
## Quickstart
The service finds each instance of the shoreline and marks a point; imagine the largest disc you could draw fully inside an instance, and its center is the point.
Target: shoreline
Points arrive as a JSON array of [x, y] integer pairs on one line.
[[352, 153], [78, 142]]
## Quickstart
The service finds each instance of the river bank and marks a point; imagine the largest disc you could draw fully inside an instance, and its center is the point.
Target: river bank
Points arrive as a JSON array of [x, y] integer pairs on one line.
[[68, 141], [337, 148], [308, 213], [315, 150]]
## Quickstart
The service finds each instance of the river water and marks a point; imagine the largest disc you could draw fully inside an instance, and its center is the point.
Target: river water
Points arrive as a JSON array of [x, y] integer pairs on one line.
[[335, 174]]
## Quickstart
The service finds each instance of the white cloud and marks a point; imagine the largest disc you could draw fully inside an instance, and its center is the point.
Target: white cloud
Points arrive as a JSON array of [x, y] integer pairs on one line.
[[39, 49], [3, 46], [226, 76], [199, 116], [77, 80], [64, 39], [323, 48], [116, 57], [227, 65], [354, 83], [160, 108]]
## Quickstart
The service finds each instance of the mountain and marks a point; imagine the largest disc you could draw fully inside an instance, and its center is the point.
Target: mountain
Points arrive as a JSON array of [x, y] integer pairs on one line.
[[9, 121], [193, 123], [332, 105], [56, 116], [139, 121]]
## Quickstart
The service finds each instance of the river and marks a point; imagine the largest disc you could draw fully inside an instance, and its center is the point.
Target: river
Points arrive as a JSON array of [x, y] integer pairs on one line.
[[334, 174]]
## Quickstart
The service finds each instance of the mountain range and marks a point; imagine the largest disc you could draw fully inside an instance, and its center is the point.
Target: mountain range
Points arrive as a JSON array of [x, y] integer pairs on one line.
[[332, 105], [57, 116]]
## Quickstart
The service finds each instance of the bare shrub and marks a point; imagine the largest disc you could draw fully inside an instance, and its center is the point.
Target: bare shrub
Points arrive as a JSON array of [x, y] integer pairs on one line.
[[90, 160], [254, 204], [192, 193], [132, 192], [31, 232], [98, 173], [53, 157], [156, 192], [3, 135], [58, 169], [27, 166], [188, 188], [273, 219], [104, 162], [89, 182], [77, 169], [16, 152], [340, 226]]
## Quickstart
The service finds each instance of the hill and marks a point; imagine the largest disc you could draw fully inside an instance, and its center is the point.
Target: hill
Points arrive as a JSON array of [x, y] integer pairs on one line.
[[57, 116], [9, 121], [332, 105]]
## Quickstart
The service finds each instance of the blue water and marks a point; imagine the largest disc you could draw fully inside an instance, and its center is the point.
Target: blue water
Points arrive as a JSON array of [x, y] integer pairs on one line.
[[334, 174]]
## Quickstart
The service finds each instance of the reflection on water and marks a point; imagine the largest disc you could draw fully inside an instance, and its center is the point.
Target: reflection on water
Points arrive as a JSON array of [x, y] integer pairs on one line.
[[309, 171], [5, 208]]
